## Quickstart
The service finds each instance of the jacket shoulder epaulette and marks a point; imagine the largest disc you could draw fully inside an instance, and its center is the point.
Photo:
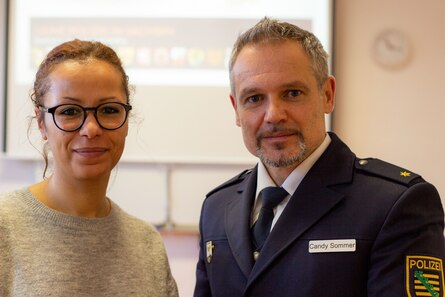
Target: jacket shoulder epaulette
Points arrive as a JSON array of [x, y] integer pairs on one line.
[[237, 179], [386, 170]]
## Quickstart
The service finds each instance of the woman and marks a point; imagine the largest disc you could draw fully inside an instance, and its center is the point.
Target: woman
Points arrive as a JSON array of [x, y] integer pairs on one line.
[[63, 236]]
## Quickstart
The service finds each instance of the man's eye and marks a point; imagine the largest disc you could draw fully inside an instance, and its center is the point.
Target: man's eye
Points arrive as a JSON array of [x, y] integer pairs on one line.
[[294, 93], [254, 99]]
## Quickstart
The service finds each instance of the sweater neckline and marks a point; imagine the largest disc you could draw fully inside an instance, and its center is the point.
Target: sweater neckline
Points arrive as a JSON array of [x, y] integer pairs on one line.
[[43, 212]]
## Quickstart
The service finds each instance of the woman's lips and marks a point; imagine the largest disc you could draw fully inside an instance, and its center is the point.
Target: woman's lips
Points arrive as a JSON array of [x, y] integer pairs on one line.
[[89, 152]]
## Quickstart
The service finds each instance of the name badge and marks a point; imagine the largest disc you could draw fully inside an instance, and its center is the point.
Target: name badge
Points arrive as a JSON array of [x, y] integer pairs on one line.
[[332, 246]]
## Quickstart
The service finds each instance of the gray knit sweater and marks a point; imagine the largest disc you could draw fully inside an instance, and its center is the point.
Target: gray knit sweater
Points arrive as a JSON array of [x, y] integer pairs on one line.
[[45, 253]]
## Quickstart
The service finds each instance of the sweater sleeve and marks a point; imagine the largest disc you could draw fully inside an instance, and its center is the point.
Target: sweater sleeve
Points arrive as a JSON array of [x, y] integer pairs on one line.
[[5, 259]]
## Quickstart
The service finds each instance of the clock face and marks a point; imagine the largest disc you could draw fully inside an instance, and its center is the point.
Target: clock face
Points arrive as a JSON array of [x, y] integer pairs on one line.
[[391, 49]]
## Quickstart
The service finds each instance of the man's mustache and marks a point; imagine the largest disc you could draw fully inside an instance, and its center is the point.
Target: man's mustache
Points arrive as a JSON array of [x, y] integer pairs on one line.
[[277, 130]]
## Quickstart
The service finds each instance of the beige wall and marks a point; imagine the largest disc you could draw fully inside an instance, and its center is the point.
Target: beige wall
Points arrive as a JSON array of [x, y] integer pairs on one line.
[[396, 115]]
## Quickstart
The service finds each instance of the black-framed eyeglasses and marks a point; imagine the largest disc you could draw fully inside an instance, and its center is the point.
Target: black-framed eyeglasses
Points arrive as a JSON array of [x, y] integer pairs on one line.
[[71, 117]]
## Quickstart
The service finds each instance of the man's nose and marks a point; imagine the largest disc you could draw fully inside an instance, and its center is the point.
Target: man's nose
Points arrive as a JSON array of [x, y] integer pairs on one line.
[[275, 110]]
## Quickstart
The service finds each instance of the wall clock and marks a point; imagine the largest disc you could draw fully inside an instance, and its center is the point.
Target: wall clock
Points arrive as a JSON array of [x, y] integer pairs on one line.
[[392, 49]]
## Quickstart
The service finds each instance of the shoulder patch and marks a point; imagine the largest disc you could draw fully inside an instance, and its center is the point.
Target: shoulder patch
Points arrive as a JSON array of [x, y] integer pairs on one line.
[[386, 170], [240, 177], [424, 276]]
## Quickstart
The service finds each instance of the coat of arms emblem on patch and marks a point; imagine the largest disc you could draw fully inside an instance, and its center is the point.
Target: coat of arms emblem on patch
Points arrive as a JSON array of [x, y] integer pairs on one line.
[[424, 276]]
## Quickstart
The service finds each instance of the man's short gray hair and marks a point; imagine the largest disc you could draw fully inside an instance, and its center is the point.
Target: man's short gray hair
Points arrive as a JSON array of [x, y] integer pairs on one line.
[[269, 30]]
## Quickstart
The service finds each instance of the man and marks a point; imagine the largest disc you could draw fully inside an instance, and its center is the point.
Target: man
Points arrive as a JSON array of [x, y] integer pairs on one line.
[[347, 227]]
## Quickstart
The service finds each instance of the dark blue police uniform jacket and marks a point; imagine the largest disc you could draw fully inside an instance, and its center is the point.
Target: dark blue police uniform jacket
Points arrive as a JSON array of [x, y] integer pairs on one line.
[[390, 218]]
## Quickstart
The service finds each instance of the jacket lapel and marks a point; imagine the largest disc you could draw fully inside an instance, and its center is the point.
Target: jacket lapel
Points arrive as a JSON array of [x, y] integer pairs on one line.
[[304, 209], [237, 223]]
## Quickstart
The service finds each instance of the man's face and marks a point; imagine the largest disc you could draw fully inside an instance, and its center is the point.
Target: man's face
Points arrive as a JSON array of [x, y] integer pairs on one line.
[[278, 103]]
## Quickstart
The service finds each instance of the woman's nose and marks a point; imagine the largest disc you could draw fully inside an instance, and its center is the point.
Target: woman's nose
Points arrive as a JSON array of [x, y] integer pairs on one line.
[[90, 127]]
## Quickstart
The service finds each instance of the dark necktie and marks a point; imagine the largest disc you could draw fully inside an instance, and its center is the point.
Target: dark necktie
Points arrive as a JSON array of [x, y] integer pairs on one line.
[[271, 197]]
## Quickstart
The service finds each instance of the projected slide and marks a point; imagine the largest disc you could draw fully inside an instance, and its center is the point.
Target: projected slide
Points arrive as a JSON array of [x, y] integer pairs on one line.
[[180, 51], [169, 43]]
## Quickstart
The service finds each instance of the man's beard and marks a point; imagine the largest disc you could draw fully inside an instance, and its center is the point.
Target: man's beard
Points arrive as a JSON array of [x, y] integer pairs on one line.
[[283, 161]]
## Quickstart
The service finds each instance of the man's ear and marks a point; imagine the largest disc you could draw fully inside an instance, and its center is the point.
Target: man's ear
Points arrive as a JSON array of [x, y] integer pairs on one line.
[[235, 107], [40, 123], [329, 94]]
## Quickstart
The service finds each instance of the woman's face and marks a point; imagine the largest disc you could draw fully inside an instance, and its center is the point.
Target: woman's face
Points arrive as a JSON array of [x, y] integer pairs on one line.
[[90, 152]]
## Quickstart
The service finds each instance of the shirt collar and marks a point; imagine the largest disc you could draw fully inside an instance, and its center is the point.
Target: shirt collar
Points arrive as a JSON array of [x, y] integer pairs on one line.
[[296, 176]]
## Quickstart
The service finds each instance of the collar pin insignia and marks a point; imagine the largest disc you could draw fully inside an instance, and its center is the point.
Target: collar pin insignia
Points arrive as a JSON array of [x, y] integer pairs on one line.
[[209, 248]]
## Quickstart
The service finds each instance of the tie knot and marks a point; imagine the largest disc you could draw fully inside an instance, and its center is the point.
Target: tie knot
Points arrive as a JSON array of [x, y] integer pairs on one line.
[[272, 196]]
